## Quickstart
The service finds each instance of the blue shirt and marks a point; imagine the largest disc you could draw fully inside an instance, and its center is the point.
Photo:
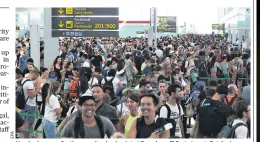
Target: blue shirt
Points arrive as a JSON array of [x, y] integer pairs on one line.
[[23, 63]]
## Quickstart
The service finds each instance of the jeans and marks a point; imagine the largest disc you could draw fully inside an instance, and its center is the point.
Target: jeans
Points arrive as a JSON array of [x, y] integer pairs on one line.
[[49, 128]]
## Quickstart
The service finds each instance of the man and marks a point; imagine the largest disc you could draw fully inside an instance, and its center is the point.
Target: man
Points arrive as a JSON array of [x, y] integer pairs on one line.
[[98, 74], [31, 89], [149, 67], [97, 59], [175, 112], [246, 93], [163, 96], [103, 109], [86, 62], [143, 87], [231, 98], [213, 113], [145, 127], [107, 68], [23, 61], [88, 125], [242, 111], [208, 92], [29, 62]]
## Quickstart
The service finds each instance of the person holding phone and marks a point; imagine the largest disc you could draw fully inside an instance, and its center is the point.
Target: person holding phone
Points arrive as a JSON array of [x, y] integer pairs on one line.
[[149, 124]]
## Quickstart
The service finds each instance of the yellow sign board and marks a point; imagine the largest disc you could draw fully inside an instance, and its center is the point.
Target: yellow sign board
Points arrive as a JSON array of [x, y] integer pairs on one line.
[[69, 24], [69, 10]]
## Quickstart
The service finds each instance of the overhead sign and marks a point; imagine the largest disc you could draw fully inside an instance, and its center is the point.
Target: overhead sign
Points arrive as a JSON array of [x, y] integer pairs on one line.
[[85, 22], [218, 26], [166, 24], [140, 32], [100, 23], [79, 11], [74, 33]]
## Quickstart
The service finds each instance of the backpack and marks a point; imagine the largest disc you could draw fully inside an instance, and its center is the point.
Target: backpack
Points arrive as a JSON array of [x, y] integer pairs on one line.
[[20, 98], [202, 71], [79, 127], [109, 85], [190, 104], [231, 102], [169, 119], [229, 132], [210, 120], [73, 88]]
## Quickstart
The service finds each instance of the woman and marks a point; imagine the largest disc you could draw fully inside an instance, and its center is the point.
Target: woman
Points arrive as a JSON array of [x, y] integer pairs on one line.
[[121, 72], [225, 68], [213, 67], [127, 120], [57, 67], [129, 65], [68, 76], [52, 110], [30, 68], [83, 86], [43, 80], [44, 93]]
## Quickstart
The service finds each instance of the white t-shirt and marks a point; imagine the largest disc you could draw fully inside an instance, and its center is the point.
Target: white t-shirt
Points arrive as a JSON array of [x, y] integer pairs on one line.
[[50, 109], [125, 109], [70, 110], [39, 96], [159, 53], [28, 86], [241, 131], [114, 82], [95, 81], [86, 64], [175, 114]]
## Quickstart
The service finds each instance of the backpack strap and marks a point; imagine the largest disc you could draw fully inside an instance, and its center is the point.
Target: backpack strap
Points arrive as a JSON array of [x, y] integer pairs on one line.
[[179, 109], [235, 127], [168, 110], [79, 127], [22, 89], [100, 126], [73, 108], [231, 101]]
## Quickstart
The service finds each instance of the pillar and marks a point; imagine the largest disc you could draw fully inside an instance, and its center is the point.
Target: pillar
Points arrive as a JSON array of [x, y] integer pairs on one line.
[[51, 44], [35, 45]]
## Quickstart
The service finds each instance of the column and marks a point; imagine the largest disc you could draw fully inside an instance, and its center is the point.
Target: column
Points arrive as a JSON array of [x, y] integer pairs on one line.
[[35, 45], [51, 45]]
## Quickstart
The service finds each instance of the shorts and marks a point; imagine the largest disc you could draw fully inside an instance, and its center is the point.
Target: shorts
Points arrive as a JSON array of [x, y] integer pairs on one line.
[[66, 85], [29, 110], [49, 128]]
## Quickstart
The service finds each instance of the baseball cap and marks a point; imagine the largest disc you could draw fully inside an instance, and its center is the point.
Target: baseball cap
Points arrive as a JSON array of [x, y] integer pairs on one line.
[[84, 98]]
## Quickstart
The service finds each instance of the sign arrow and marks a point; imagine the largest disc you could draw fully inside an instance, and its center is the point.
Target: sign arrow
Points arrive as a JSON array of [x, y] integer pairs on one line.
[[61, 24], [60, 11]]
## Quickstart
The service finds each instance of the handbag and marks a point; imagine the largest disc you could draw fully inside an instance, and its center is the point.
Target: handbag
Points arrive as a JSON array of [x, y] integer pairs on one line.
[[195, 131]]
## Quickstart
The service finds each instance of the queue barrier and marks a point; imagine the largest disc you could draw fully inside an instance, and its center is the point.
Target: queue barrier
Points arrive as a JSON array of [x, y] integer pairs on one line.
[[38, 116]]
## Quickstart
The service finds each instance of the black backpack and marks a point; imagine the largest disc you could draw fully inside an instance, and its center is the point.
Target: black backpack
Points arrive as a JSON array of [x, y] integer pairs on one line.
[[202, 70], [169, 119], [211, 121], [20, 98], [79, 127], [109, 85]]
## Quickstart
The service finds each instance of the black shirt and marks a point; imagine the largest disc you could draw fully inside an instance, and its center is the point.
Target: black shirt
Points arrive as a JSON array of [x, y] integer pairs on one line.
[[205, 93], [144, 131], [96, 61]]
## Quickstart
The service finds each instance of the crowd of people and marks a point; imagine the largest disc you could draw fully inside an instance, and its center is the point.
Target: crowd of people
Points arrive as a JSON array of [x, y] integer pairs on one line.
[[123, 88]]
